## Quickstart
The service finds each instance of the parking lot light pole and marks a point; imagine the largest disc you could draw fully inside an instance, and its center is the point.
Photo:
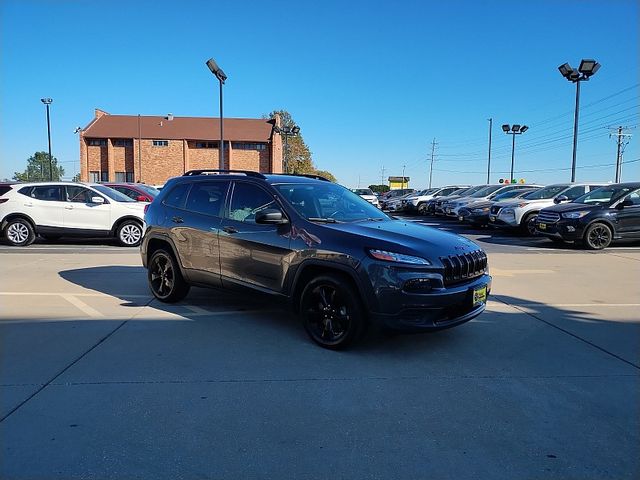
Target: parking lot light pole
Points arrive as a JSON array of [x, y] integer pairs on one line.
[[47, 101], [587, 69], [287, 131], [513, 130], [222, 77]]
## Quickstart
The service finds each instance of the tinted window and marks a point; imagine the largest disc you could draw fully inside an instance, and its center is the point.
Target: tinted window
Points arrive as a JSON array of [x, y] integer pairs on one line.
[[635, 197], [48, 193], [4, 189], [486, 191], [546, 192], [574, 192], [127, 191], [79, 194], [207, 198], [177, 195], [604, 195], [112, 194], [247, 200]]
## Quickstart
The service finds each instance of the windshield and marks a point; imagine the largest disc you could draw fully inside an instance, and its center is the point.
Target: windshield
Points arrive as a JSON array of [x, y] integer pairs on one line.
[[484, 191], [328, 202], [112, 194], [549, 191], [510, 194], [363, 191], [603, 195], [153, 191]]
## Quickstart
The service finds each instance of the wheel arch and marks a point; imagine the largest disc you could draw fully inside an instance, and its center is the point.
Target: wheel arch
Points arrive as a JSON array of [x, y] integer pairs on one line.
[[605, 221], [121, 220], [13, 216]]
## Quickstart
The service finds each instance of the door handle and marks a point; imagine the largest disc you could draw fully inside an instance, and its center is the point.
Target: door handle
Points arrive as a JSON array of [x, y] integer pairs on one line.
[[230, 230], [177, 220], [28, 204], [69, 207]]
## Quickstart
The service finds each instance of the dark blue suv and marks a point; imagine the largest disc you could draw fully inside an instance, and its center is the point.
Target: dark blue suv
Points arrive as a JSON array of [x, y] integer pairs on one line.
[[340, 261]]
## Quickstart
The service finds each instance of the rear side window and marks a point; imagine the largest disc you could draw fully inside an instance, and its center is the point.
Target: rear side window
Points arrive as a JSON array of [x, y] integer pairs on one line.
[[129, 192], [208, 198], [177, 196], [51, 193], [4, 189]]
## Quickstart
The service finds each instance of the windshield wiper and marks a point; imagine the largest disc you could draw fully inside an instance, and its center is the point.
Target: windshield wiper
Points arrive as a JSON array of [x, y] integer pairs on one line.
[[370, 219], [323, 220]]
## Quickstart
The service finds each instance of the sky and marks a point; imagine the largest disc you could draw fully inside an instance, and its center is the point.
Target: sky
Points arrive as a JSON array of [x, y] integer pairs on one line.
[[370, 83]]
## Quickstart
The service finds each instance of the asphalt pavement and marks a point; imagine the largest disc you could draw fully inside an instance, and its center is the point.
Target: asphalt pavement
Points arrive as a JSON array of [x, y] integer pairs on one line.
[[98, 380]]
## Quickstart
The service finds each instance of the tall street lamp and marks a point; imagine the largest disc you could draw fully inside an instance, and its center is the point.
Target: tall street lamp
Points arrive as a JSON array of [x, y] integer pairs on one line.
[[47, 102], [287, 131], [221, 76], [513, 130], [585, 71]]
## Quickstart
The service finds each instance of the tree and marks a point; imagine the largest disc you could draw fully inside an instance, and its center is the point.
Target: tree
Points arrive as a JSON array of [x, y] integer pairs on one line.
[[38, 169], [379, 188], [298, 154], [76, 177]]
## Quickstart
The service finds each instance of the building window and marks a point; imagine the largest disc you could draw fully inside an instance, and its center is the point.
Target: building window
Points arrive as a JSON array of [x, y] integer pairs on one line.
[[129, 177], [206, 144], [94, 177], [161, 143], [97, 142], [104, 176], [123, 142], [124, 177], [248, 146]]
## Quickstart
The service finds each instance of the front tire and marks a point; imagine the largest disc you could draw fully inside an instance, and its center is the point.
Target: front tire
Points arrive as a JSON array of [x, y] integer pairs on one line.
[[423, 209], [529, 224], [598, 236], [129, 233], [19, 232], [331, 312], [165, 279]]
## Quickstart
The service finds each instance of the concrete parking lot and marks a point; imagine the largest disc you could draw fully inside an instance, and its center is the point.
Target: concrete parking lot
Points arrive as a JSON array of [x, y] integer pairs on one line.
[[98, 380]]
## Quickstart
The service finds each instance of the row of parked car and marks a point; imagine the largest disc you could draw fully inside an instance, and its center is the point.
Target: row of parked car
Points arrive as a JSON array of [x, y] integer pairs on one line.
[[592, 214]]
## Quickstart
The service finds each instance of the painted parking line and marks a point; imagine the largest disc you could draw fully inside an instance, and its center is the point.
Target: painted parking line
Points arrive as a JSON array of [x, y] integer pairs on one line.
[[79, 294], [80, 305]]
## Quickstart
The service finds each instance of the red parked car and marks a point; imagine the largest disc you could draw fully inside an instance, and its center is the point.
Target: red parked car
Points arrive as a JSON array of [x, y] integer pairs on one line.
[[137, 191]]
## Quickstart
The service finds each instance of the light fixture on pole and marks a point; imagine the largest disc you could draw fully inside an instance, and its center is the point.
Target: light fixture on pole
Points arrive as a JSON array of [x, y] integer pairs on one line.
[[587, 69], [222, 77], [513, 130], [48, 101], [287, 131]]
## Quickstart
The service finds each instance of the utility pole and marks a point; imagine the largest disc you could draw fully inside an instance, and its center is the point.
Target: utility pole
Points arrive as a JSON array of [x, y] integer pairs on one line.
[[382, 175], [433, 150], [622, 143], [489, 161], [403, 167]]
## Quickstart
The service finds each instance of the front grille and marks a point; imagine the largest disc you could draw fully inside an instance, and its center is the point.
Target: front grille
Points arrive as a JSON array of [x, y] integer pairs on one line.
[[461, 268], [495, 209], [548, 217]]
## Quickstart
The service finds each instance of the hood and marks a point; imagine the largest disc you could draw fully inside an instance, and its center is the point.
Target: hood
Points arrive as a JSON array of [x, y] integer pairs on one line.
[[515, 203], [407, 237], [479, 204], [572, 207]]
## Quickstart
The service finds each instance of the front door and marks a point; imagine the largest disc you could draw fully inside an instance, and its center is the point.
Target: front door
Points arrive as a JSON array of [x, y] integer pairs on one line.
[[81, 214], [629, 216], [251, 253]]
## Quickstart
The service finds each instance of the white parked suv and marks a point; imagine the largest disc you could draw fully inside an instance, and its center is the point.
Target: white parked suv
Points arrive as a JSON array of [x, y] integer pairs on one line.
[[57, 209], [418, 202], [522, 213], [452, 207], [368, 195]]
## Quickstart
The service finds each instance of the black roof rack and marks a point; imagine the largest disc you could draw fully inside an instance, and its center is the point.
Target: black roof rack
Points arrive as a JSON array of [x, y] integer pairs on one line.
[[308, 175], [248, 173]]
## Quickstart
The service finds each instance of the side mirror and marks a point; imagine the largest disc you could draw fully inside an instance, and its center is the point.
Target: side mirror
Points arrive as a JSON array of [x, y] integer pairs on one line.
[[270, 216], [141, 198], [627, 202], [98, 200], [560, 199]]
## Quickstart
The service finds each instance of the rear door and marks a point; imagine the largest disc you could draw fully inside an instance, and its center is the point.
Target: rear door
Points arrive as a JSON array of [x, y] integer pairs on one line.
[[81, 214], [252, 253], [44, 204]]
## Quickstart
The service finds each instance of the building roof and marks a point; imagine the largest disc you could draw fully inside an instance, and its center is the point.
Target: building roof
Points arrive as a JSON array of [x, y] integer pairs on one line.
[[179, 128]]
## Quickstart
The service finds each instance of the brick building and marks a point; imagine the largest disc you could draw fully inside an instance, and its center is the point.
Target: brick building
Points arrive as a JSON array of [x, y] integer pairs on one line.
[[151, 149]]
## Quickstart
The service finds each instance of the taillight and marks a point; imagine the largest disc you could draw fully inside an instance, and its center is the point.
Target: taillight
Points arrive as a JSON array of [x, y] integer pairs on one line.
[[2, 200], [146, 207]]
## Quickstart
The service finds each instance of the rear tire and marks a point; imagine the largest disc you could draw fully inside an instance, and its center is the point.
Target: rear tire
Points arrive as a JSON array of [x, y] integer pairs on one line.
[[129, 233], [165, 278], [19, 232], [598, 236], [331, 312]]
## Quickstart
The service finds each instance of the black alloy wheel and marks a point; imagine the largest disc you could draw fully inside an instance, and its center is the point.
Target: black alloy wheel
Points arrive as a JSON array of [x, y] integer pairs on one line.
[[598, 236], [422, 209], [530, 224], [165, 279], [331, 312]]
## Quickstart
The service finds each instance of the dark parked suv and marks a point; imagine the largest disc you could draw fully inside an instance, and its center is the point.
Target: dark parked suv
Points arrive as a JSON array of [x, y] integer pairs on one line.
[[596, 218], [338, 259]]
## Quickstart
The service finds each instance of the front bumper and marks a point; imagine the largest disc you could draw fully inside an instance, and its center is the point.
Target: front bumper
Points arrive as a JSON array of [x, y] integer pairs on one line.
[[568, 230], [476, 218], [504, 220], [439, 309]]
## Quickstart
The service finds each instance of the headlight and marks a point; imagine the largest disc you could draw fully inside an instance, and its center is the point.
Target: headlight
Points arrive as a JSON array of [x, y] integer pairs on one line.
[[579, 214], [414, 202], [398, 257], [507, 211]]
